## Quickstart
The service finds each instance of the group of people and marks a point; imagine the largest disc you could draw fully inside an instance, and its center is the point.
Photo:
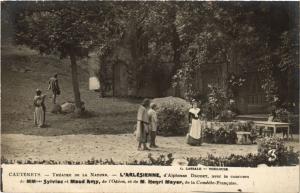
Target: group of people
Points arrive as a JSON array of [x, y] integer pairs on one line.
[[147, 121], [147, 124], [39, 101]]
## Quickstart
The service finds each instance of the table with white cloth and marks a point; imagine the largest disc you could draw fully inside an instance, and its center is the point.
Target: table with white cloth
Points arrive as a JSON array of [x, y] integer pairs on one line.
[[274, 125]]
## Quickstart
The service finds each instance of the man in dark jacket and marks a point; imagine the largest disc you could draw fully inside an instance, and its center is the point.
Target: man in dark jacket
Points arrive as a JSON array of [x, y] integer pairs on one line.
[[54, 87]]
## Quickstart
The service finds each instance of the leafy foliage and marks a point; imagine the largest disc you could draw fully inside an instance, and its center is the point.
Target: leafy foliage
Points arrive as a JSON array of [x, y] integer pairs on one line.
[[219, 106], [279, 157], [68, 29], [225, 132], [220, 136], [253, 29], [276, 151], [172, 115], [286, 116], [61, 28], [167, 36]]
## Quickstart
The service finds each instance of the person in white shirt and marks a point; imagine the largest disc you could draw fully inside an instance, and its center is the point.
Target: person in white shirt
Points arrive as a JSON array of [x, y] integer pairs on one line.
[[195, 134], [152, 124]]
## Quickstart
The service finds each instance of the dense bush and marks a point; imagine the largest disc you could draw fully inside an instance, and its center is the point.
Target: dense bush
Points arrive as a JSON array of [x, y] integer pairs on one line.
[[283, 115], [276, 152], [271, 151], [226, 115], [225, 132], [172, 115], [294, 121], [219, 106], [220, 136]]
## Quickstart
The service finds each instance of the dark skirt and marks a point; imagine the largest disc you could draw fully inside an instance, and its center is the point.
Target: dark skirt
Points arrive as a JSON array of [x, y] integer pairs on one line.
[[192, 141]]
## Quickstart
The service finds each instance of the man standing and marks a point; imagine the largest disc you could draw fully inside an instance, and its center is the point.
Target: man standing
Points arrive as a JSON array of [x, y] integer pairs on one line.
[[53, 85], [153, 124], [142, 127]]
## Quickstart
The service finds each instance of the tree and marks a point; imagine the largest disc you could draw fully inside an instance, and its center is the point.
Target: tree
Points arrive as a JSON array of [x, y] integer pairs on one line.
[[253, 41], [280, 57], [149, 35], [209, 42], [68, 29]]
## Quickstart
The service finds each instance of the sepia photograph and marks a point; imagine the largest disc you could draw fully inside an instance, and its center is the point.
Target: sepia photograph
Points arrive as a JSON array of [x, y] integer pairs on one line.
[[159, 83]]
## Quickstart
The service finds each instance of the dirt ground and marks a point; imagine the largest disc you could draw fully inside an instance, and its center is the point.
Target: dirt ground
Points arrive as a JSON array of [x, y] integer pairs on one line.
[[120, 147]]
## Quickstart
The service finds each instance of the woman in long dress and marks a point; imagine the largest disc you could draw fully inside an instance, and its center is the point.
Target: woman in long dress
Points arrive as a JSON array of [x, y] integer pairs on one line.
[[39, 109], [195, 134], [142, 129]]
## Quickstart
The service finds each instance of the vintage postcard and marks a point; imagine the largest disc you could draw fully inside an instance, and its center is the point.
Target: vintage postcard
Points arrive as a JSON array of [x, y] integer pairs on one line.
[[160, 96]]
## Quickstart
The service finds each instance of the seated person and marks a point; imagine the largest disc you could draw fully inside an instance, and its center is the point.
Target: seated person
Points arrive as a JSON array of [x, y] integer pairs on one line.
[[271, 118]]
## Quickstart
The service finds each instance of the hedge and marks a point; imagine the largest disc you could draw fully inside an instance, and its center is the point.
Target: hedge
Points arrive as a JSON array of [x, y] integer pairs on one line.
[[172, 113]]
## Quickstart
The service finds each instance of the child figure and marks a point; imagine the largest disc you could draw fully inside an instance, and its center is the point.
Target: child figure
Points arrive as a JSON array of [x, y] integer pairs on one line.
[[152, 124]]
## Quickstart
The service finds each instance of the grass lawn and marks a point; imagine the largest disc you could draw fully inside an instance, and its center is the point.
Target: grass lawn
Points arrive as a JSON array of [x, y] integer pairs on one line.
[[24, 70]]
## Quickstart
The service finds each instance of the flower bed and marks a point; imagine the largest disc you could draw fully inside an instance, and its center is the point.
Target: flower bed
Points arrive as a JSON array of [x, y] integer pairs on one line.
[[235, 125], [271, 152], [220, 136], [226, 132], [275, 150]]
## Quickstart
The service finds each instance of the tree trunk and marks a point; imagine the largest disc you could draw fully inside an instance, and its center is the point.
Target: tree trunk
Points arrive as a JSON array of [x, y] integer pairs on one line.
[[176, 57], [134, 38], [75, 82]]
